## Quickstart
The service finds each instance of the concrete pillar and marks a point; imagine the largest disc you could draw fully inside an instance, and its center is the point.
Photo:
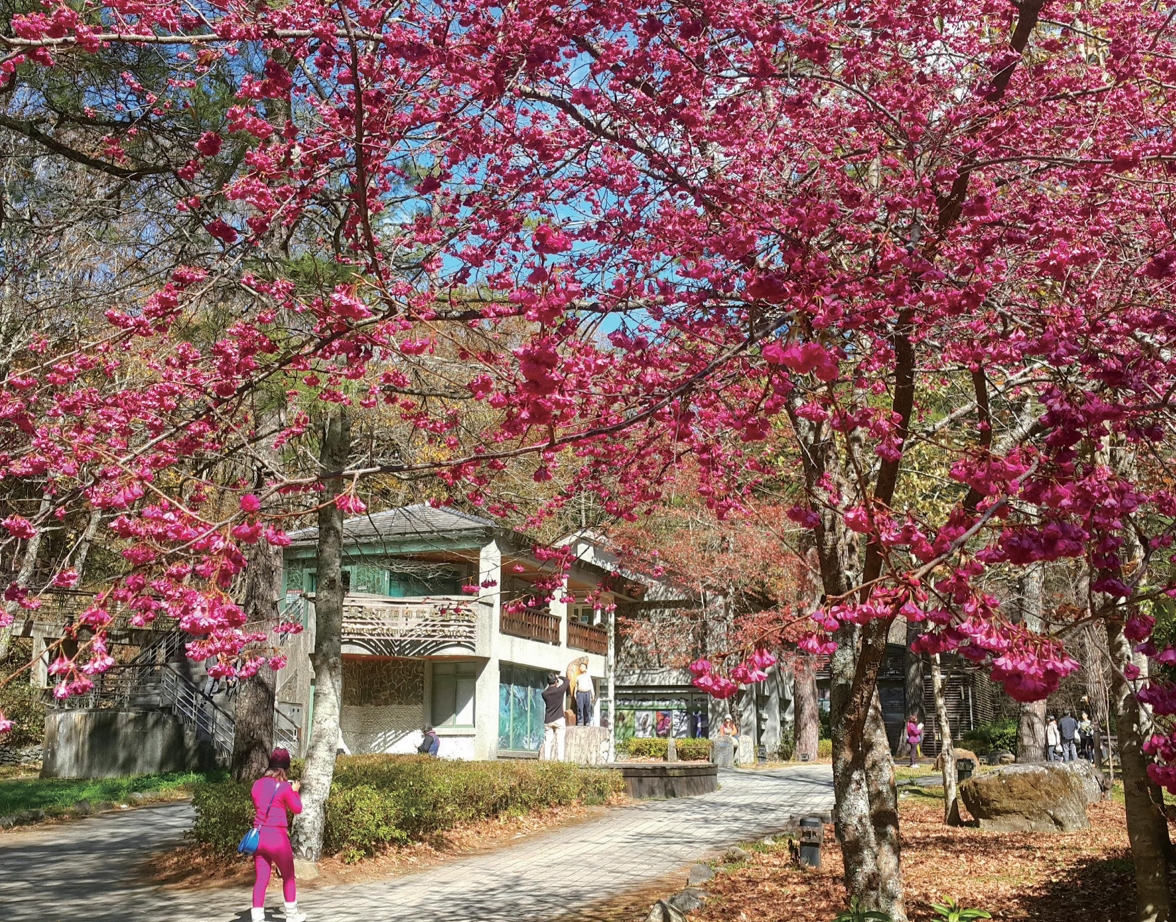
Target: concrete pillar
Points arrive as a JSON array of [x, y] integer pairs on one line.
[[39, 673], [558, 607], [486, 689]]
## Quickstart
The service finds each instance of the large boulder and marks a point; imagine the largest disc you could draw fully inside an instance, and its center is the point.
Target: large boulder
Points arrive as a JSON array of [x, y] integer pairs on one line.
[[1095, 785], [1027, 798], [959, 754], [723, 752]]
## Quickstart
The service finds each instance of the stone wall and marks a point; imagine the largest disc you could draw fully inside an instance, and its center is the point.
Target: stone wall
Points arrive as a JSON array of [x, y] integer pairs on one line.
[[28, 755], [383, 704], [108, 744]]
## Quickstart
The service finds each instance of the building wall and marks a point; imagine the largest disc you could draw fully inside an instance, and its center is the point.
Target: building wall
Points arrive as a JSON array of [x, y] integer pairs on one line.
[[383, 704]]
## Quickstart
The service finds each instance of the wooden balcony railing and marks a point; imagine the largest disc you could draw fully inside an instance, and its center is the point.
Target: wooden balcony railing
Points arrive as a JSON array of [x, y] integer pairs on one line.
[[588, 638], [531, 624]]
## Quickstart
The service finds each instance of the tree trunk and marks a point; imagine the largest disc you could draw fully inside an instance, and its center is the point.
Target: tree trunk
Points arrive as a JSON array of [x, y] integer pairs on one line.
[[327, 658], [1031, 717], [253, 735], [28, 565], [951, 804], [865, 796], [912, 686], [1147, 826], [253, 738], [807, 718]]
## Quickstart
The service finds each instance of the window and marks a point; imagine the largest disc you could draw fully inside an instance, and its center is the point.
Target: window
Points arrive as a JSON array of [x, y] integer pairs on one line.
[[585, 614], [453, 694]]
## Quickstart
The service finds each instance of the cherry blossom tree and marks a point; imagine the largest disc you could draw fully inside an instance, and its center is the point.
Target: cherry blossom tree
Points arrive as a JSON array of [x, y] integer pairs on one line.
[[675, 229]]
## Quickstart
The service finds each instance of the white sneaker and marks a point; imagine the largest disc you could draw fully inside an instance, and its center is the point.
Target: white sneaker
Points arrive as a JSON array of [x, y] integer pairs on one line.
[[292, 913]]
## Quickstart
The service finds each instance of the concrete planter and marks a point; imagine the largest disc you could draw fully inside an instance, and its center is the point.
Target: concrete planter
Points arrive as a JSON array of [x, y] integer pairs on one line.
[[663, 780]]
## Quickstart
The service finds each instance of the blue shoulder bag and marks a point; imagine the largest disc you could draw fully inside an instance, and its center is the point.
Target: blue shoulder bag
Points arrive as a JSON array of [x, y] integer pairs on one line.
[[252, 840]]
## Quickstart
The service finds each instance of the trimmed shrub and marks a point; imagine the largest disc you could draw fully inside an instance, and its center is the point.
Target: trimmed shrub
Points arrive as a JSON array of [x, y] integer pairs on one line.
[[378, 800], [998, 736], [689, 750], [824, 749]]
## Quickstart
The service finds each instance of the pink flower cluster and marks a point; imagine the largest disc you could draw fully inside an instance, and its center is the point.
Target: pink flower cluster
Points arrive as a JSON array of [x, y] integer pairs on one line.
[[751, 670]]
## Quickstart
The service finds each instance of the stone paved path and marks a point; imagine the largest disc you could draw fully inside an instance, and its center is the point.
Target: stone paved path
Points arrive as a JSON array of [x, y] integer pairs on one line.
[[86, 870]]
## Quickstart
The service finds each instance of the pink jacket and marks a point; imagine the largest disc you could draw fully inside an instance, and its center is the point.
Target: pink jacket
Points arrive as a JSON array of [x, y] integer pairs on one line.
[[285, 799]]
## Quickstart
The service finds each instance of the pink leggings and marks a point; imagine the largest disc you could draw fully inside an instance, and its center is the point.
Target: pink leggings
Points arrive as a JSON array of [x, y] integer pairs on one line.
[[273, 849]]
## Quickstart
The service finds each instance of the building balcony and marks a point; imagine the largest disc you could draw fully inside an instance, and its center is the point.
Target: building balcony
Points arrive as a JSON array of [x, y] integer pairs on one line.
[[425, 626], [587, 638], [531, 624]]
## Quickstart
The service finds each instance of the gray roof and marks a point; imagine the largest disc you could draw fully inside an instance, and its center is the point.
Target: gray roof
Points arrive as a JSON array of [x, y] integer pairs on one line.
[[420, 521]]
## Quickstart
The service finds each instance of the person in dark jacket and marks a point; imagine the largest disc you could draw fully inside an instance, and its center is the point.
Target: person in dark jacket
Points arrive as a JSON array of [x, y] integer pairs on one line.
[[430, 744], [1068, 731], [554, 722]]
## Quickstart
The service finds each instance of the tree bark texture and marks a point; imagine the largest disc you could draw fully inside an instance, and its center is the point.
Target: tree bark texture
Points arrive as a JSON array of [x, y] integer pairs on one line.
[[951, 804], [327, 658], [253, 735], [865, 796], [1147, 826], [807, 718]]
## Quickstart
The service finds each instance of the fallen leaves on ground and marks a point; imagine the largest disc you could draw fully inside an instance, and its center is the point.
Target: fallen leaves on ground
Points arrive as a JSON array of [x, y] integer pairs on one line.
[[1086, 875]]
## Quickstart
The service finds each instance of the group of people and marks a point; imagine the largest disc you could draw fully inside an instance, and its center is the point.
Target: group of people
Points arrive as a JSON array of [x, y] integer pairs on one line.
[[1066, 740], [1069, 739], [555, 721]]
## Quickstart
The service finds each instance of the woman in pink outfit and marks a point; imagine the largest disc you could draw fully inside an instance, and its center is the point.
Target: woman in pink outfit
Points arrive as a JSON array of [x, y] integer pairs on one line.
[[273, 795]]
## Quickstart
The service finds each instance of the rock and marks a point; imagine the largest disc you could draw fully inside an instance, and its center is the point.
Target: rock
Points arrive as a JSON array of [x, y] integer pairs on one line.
[[83, 808], [30, 816], [1007, 758], [699, 874], [1027, 798], [104, 806], [305, 870], [1000, 757], [1095, 785], [7, 821], [768, 840], [959, 754], [138, 798], [735, 853], [723, 752], [687, 900], [663, 912], [671, 750]]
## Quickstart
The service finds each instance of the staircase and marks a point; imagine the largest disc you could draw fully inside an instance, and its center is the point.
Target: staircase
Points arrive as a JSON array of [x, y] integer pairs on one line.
[[153, 681]]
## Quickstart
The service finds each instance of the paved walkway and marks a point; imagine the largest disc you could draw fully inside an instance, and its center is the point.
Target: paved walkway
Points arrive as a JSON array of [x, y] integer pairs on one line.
[[87, 870]]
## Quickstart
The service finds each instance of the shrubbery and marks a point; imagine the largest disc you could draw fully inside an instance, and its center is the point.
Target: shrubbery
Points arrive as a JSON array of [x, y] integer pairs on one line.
[[377, 801], [689, 750], [824, 749], [998, 736], [24, 706]]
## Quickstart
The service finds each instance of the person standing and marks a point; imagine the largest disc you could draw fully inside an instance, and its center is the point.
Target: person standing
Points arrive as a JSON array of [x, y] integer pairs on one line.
[[430, 744], [1068, 730], [914, 732], [1053, 740], [1086, 736], [584, 692], [554, 722], [273, 795]]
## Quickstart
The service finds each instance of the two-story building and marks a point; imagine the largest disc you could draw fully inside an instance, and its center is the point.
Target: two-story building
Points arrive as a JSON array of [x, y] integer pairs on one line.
[[444, 624]]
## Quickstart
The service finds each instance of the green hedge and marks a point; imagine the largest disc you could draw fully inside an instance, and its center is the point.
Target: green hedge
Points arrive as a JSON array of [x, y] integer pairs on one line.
[[998, 736], [824, 749], [689, 750], [377, 801]]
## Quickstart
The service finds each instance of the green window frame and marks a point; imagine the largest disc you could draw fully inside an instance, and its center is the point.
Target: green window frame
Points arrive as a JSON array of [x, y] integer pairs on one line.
[[453, 694]]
